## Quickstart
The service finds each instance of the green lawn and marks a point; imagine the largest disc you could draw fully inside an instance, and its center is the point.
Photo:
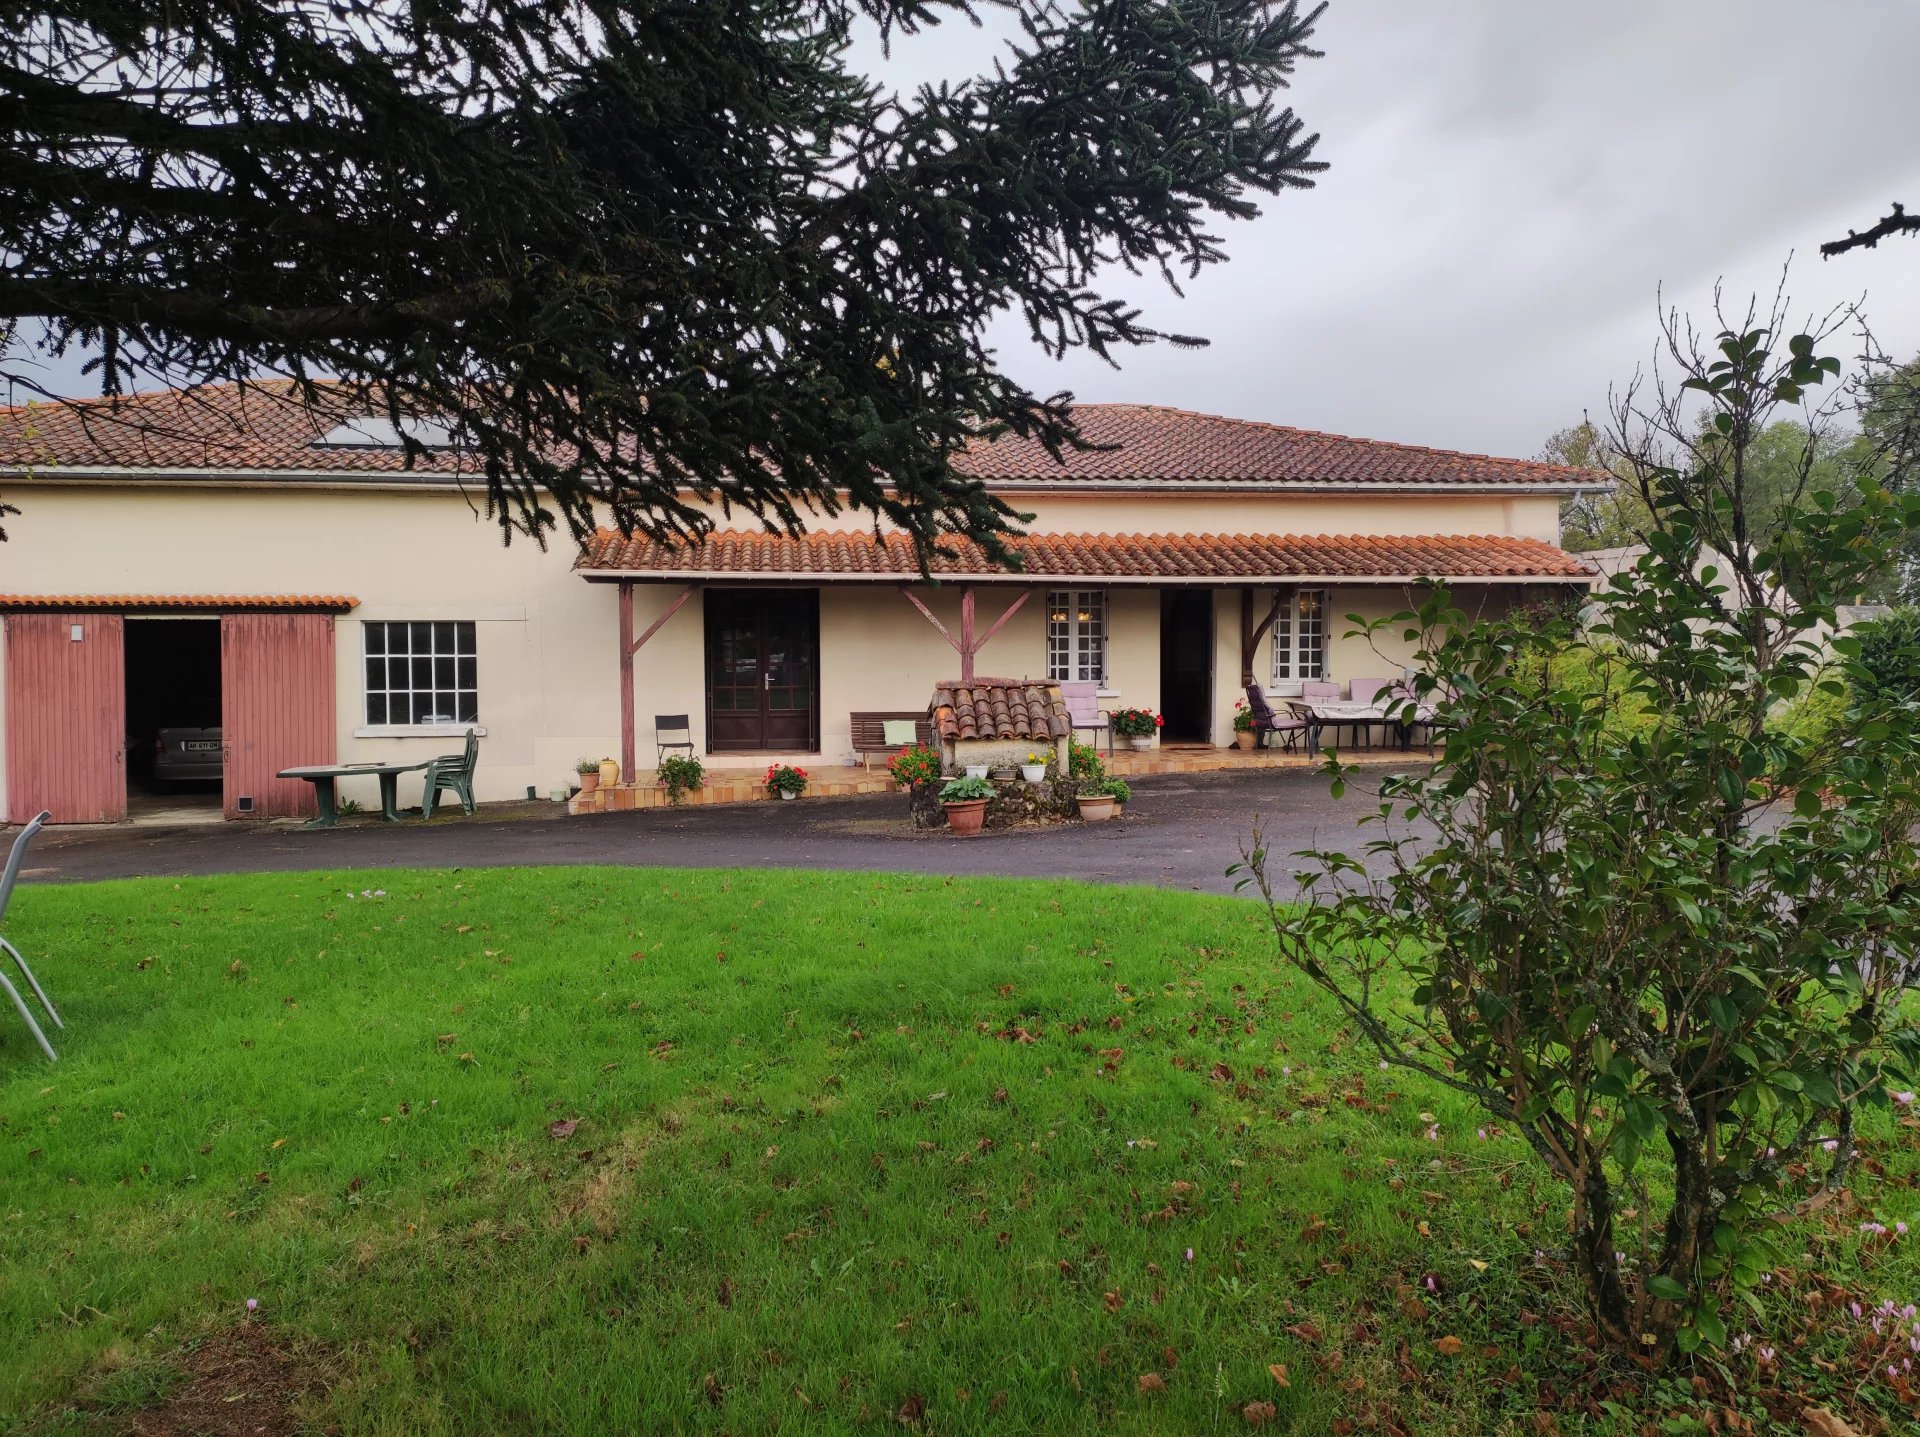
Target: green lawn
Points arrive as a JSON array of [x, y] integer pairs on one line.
[[850, 1149]]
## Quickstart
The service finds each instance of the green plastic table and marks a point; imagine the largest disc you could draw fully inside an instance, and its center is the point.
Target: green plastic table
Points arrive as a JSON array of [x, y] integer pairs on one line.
[[323, 775]]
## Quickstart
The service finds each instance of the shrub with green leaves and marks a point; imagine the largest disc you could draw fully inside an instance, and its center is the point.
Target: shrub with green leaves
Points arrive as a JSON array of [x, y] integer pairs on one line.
[[1670, 955], [681, 774], [1890, 656], [1084, 766], [962, 790]]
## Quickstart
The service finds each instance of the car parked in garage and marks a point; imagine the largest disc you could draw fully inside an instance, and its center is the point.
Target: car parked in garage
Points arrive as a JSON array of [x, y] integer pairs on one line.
[[183, 755]]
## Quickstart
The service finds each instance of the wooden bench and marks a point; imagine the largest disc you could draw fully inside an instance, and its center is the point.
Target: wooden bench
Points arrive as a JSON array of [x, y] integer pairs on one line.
[[870, 729]]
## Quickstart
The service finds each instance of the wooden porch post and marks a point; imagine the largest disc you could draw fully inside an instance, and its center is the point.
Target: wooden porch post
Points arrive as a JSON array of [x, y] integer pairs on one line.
[[629, 646], [627, 755], [967, 646]]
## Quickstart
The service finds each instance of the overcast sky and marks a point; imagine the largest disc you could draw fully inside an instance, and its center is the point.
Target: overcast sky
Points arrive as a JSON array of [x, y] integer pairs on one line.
[[1511, 182]]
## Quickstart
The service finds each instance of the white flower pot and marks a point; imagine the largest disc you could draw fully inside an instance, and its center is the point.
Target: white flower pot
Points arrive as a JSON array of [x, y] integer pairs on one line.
[[1034, 772], [1139, 743], [787, 793], [976, 770]]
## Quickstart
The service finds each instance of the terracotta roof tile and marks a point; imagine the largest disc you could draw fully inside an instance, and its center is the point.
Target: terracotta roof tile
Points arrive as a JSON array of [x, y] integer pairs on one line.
[[212, 603], [1000, 709], [266, 431], [1143, 558], [1162, 444]]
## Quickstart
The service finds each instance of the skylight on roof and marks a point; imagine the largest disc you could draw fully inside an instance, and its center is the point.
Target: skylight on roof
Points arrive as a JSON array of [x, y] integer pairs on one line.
[[371, 431]]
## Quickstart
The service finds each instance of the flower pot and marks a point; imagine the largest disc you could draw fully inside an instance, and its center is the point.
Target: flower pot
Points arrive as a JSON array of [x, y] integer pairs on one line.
[[976, 770], [609, 773], [1243, 740], [1002, 775], [1139, 743], [1118, 808], [1096, 808], [589, 779], [787, 793], [1034, 772], [964, 816]]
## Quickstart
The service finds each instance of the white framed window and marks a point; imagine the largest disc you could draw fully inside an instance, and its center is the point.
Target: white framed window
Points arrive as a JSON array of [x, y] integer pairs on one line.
[[421, 672], [1077, 634], [1300, 639]]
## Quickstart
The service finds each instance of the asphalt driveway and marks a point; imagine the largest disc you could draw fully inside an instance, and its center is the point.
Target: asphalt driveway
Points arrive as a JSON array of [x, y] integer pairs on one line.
[[1180, 831]]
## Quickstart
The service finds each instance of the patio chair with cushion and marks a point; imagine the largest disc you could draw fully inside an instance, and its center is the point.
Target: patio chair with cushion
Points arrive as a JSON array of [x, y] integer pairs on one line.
[[453, 771], [665, 726], [7, 879], [1082, 698], [1267, 723], [1367, 691]]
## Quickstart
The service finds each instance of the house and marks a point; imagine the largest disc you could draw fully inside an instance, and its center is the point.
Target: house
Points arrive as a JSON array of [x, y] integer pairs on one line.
[[1612, 562], [281, 573]]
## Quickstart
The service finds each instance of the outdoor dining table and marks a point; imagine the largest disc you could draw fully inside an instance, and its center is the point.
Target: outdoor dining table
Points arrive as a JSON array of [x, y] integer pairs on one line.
[[1320, 713], [323, 776]]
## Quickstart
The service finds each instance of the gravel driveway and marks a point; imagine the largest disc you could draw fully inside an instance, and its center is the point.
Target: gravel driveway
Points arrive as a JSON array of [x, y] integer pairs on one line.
[[1180, 831]]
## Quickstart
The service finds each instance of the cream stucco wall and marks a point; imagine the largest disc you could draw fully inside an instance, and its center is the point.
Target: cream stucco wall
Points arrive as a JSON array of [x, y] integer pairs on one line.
[[547, 639]]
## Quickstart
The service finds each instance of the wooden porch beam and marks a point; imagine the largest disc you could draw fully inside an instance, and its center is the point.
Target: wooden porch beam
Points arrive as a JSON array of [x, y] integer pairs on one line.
[[1250, 636], [629, 646], [1001, 622], [927, 614]]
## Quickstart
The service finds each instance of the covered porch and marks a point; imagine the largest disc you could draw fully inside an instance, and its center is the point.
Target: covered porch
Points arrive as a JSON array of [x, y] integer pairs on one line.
[[770, 645]]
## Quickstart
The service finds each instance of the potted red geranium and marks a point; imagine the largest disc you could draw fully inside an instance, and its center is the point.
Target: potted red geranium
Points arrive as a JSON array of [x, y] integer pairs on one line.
[[1136, 726], [786, 780]]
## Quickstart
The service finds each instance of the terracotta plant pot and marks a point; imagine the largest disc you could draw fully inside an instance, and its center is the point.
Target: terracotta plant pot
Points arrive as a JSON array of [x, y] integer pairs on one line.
[[1139, 743], [609, 773], [1096, 808], [1243, 740], [589, 780], [964, 816]]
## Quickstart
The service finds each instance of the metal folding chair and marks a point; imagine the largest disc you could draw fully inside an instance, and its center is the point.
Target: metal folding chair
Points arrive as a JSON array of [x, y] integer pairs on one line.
[[14, 861], [666, 724]]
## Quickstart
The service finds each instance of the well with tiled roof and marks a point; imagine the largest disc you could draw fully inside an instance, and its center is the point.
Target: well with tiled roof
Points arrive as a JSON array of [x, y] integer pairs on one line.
[[177, 603], [1110, 558], [264, 430], [999, 720]]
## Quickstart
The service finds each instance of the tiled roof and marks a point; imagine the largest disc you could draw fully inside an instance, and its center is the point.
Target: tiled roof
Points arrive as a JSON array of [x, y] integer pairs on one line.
[[266, 431], [1175, 445], [166, 603], [258, 430], [1144, 558], [1000, 709]]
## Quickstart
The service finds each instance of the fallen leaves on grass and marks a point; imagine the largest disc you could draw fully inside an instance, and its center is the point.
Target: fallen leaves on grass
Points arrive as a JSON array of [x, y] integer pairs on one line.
[[1278, 1371], [1258, 1414], [1152, 1382], [561, 1129], [1448, 1346]]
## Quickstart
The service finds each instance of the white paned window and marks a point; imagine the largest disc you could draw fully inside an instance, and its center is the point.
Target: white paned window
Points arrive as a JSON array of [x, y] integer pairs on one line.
[[421, 672], [1300, 638], [1077, 634]]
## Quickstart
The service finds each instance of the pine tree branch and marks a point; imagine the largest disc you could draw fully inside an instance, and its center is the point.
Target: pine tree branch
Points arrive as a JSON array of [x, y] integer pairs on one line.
[[1897, 223]]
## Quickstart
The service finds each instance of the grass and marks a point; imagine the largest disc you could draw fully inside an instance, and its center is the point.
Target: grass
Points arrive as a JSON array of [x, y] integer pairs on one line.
[[846, 1151]]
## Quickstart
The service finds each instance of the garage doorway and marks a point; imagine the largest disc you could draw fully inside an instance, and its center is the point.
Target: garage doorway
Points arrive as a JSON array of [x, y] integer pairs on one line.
[[176, 750]]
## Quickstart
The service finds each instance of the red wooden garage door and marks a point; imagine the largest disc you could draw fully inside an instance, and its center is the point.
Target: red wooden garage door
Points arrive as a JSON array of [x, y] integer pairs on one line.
[[66, 717], [276, 709]]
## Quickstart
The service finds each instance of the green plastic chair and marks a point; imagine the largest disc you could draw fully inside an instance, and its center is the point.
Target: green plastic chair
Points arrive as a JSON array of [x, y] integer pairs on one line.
[[451, 771]]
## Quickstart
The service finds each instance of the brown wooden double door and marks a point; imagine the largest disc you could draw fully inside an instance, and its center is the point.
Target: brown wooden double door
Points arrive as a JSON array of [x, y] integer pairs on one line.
[[763, 670]]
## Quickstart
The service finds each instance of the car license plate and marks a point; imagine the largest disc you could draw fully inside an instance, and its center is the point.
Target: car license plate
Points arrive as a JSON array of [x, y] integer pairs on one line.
[[201, 745]]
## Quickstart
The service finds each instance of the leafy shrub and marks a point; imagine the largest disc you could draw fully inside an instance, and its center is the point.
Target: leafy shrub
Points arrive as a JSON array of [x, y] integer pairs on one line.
[[959, 790], [1118, 790], [1889, 656], [681, 774], [1622, 939]]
